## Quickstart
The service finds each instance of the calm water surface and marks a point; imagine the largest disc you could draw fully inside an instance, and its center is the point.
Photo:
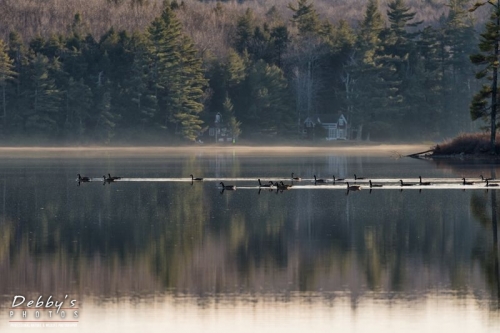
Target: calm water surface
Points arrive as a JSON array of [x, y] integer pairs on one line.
[[153, 251]]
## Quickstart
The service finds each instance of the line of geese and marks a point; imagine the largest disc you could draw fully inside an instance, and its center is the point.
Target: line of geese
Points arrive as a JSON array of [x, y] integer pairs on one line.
[[281, 186], [107, 179]]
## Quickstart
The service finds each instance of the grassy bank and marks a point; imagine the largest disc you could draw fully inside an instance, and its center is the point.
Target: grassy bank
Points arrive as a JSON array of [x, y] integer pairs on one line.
[[477, 144]]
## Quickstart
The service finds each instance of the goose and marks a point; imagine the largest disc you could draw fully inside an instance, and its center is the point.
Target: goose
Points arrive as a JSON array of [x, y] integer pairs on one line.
[[107, 180], [353, 187], [192, 178], [405, 184], [423, 183], [83, 179], [356, 178], [296, 178], [114, 178], [265, 185], [489, 185], [228, 187], [374, 185], [467, 183], [318, 180], [286, 185], [485, 179], [281, 187], [335, 179]]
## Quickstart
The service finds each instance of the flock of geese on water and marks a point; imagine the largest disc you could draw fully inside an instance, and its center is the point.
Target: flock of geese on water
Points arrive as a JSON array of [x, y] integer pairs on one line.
[[281, 186]]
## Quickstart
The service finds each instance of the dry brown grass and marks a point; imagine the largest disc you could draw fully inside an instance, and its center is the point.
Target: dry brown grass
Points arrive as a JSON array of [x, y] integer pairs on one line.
[[466, 143]]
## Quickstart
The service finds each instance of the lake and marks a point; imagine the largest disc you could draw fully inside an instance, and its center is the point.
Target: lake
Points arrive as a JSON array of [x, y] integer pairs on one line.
[[155, 251]]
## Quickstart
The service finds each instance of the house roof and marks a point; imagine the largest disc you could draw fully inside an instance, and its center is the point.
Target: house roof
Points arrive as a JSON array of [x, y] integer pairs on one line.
[[324, 118]]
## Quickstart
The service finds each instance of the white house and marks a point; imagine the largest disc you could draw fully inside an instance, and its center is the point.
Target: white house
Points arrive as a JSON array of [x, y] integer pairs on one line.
[[335, 126]]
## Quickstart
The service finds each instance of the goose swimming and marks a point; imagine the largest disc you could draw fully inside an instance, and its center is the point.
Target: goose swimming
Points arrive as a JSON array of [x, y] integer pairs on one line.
[[353, 187], [228, 187]]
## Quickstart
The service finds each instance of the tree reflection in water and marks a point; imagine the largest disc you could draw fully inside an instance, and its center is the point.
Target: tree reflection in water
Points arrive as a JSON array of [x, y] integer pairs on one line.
[[488, 258], [145, 238]]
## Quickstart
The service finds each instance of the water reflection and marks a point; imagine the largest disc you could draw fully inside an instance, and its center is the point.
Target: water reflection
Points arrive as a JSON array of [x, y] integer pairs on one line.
[[172, 239], [488, 257]]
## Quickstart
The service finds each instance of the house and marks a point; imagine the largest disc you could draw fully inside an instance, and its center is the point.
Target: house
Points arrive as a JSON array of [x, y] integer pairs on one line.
[[219, 131], [335, 126]]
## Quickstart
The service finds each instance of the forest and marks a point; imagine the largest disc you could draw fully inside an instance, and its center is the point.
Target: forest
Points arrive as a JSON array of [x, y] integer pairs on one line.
[[158, 72]]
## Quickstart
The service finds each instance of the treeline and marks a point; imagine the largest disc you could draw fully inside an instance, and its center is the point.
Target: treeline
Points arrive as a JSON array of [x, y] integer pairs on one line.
[[390, 75]]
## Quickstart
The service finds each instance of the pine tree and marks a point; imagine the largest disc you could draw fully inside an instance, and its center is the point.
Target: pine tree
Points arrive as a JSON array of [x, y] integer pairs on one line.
[[164, 34], [228, 113], [177, 75], [140, 88], [77, 104], [7, 74], [44, 97], [106, 120], [362, 84], [459, 39], [396, 62], [280, 39], [369, 34], [305, 17], [18, 53], [426, 85], [244, 31], [267, 89], [488, 59], [192, 86]]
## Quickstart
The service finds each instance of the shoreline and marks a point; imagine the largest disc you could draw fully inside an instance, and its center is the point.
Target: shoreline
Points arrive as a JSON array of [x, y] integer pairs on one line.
[[354, 149]]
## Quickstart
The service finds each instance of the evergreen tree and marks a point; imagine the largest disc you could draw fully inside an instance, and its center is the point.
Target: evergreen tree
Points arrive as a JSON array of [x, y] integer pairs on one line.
[[459, 35], [178, 75], [305, 17], [7, 74], [228, 113], [106, 120], [192, 87], [488, 59], [164, 34], [244, 31], [280, 39], [140, 88], [426, 84], [370, 29], [18, 53], [37, 44], [225, 80], [362, 84], [396, 61], [267, 88], [44, 97], [77, 104]]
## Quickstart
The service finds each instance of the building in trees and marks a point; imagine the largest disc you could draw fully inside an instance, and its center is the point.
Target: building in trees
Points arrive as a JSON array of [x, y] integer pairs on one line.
[[328, 126]]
